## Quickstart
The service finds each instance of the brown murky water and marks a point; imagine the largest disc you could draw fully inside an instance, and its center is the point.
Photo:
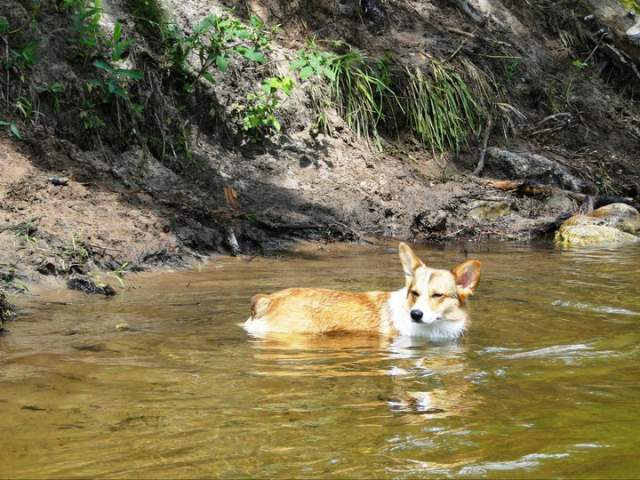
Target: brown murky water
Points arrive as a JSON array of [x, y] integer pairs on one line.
[[545, 384]]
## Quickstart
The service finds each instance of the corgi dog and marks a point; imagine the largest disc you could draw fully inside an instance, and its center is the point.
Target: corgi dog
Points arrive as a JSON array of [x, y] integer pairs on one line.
[[432, 304]]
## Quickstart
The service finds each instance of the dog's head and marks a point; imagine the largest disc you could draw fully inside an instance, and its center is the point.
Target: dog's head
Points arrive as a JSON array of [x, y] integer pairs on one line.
[[434, 295]]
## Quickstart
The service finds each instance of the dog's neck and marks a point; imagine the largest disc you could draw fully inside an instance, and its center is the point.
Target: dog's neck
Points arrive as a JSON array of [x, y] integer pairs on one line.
[[399, 318]]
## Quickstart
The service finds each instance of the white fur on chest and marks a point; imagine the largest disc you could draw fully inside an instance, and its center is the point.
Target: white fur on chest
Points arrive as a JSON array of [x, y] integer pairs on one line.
[[400, 319]]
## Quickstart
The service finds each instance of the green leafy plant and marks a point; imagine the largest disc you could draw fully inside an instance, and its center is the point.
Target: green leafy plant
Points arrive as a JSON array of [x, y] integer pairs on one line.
[[315, 67], [90, 119], [53, 90], [260, 111], [312, 62], [17, 56], [213, 43], [87, 39], [511, 68], [114, 80], [118, 45], [21, 58]]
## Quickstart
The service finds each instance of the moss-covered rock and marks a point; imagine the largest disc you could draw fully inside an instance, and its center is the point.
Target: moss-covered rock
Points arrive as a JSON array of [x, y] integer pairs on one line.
[[484, 210], [611, 225], [6, 309]]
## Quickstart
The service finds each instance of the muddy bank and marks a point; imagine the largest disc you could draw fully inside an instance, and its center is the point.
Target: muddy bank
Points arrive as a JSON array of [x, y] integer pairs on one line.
[[98, 186]]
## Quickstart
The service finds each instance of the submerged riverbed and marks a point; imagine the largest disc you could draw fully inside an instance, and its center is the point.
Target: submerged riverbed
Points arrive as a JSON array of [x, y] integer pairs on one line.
[[161, 382]]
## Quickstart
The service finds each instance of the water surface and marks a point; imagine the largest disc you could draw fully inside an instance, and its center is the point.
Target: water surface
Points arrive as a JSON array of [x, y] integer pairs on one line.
[[546, 382]]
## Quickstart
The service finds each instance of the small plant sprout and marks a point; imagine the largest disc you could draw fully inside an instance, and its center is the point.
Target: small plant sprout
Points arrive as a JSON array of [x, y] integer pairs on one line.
[[119, 273], [579, 64]]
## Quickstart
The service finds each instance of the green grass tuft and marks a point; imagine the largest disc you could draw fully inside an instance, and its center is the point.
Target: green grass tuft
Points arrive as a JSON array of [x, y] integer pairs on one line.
[[441, 108], [361, 90]]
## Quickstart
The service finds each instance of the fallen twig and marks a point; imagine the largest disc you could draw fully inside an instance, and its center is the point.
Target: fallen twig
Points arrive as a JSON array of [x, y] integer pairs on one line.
[[473, 35], [483, 152]]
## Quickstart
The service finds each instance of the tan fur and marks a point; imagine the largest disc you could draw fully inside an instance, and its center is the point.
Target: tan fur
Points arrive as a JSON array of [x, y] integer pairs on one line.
[[441, 293], [315, 310]]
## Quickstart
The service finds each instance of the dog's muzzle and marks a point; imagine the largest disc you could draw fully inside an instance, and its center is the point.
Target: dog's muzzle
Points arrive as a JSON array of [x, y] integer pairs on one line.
[[416, 316]]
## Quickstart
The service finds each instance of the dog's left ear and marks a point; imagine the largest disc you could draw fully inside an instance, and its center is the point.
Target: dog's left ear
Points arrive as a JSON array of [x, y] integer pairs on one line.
[[467, 276]]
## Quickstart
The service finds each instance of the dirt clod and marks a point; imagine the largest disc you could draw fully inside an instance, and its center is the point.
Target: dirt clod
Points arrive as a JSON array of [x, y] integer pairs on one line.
[[87, 285]]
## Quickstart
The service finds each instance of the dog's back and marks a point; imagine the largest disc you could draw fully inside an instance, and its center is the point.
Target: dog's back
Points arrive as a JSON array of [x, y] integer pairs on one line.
[[311, 310]]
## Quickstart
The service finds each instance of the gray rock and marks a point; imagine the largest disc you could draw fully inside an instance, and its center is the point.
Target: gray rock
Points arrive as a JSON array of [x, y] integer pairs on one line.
[[530, 166], [633, 34], [86, 285]]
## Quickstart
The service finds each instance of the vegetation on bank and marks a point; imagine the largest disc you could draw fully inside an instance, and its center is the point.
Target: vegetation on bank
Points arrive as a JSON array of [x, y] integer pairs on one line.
[[116, 82], [151, 85]]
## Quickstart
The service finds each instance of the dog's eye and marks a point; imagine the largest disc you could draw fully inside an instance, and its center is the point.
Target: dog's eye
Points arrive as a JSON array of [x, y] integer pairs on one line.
[[414, 293], [437, 295]]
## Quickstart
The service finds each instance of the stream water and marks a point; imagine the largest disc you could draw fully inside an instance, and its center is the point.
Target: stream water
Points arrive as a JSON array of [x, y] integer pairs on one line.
[[545, 383]]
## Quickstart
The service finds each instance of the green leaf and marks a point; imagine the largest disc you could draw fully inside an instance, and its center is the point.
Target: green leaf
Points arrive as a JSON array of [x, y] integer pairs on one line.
[[14, 131], [93, 84], [256, 22], [4, 25], [205, 24], [222, 62], [298, 64], [252, 54], [117, 32], [306, 72], [128, 73], [103, 66], [276, 124], [208, 77]]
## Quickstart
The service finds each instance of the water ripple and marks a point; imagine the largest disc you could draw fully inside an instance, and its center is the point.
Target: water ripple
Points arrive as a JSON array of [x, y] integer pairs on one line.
[[594, 308]]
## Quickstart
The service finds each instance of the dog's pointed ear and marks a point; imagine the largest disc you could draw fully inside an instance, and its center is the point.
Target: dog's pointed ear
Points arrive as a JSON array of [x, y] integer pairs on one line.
[[467, 277], [410, 262]]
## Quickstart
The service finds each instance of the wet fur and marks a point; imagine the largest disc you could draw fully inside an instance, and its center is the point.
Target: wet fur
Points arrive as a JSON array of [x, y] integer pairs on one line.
[[440, 294]]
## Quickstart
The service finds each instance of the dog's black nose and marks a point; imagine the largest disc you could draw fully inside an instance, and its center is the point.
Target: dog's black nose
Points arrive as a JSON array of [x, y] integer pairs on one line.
[[416, 315]]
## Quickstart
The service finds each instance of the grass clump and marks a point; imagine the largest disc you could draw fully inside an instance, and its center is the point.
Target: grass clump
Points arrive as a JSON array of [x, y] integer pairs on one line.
[[362, 92], [441, 109], [441, 106], [359, 87]]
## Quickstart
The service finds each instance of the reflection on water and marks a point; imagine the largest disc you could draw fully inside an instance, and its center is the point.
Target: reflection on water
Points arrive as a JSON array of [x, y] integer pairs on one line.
[[161, 382]]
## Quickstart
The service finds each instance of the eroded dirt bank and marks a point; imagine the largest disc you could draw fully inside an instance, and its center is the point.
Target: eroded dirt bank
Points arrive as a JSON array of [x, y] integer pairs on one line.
[[92, 186]]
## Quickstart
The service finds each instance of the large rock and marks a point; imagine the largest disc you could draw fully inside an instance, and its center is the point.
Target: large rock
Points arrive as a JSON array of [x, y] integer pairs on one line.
[[529, 166], [619, 215], [611, 225]]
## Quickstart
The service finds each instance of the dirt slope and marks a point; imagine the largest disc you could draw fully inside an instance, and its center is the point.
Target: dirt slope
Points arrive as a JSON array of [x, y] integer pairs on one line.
[[126, 204]]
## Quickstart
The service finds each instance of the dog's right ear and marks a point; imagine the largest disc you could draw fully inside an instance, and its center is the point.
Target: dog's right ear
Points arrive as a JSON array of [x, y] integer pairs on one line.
[[410, 262]]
